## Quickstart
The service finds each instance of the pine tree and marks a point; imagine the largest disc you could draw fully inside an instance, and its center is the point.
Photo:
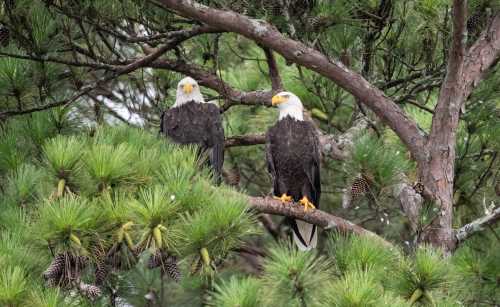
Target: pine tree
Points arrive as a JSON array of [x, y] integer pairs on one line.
[[96, 207]]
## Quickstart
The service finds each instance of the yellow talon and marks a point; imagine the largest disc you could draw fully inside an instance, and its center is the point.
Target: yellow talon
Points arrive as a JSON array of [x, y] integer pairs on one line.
[[306, 203], [284, 198]]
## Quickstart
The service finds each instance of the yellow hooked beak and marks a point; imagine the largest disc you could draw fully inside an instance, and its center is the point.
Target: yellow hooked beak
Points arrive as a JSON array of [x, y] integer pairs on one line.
[[187, 88], [277, 99]]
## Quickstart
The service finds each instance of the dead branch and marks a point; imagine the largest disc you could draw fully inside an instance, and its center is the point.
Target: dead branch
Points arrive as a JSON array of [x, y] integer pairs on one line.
[[477, 225]]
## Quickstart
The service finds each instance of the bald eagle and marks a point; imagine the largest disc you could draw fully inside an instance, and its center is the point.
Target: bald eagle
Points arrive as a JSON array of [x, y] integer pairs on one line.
[[293, 160], [191, 120]]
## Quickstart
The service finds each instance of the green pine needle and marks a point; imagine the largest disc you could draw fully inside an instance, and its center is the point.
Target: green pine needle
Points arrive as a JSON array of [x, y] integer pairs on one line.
[[13, 285], [24, 185], [428, 271], [155, 207], [69, 215], [47, 297], [11, 155], [14, 77], [109, 166], [354, 252], [62, 155], [244, 292], [293, 278], [380, 162], [221, 225], [357, 288]]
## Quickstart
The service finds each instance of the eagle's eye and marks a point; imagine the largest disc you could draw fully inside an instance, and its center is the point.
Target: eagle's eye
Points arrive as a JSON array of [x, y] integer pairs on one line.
[[286, 96]]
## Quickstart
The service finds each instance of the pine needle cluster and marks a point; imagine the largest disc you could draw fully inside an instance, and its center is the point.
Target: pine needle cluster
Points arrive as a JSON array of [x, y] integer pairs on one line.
[[93, 205], [361, 272]]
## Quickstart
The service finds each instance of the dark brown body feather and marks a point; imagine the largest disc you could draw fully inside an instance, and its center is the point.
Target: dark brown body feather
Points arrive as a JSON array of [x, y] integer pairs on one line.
[[197, 123], [293, 159]]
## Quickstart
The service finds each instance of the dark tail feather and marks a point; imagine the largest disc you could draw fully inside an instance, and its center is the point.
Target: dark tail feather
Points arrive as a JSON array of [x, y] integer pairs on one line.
[[217, 161]]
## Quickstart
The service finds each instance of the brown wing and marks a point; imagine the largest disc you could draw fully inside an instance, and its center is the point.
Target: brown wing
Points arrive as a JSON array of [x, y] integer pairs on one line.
[[197, 123], [293, 159]]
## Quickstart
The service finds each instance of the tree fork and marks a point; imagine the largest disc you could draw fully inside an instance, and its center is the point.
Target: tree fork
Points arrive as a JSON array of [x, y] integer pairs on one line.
[[437, 171]]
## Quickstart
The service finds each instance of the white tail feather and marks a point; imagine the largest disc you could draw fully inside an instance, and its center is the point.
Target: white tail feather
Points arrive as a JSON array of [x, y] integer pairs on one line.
[[305, 230]]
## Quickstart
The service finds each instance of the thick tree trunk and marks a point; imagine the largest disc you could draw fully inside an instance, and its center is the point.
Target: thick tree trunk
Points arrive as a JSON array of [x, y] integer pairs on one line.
[[438, 182], [437, 175], [437, 171]]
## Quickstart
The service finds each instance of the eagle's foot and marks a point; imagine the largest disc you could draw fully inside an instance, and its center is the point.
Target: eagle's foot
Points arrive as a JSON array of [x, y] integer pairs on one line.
[[306, 203], [284, 198]]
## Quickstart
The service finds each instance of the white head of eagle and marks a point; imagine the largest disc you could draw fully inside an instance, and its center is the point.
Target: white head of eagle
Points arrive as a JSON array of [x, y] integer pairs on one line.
[[288, 105], [188, 90]]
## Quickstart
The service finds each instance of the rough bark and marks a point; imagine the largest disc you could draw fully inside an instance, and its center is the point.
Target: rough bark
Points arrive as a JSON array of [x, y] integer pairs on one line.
[[482, 55], [437, 171], [245, 140], [313, 216], [410, 202]]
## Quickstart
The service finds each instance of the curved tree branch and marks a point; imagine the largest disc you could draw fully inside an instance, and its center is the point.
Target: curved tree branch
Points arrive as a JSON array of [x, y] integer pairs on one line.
[[314, 216], [266, 35], [210, 80], [274, 75]]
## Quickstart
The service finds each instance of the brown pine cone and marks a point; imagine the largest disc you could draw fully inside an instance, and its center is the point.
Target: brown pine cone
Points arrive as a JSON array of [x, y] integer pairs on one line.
[[360, 186], [90, 291], [56, 268], [171, 269]]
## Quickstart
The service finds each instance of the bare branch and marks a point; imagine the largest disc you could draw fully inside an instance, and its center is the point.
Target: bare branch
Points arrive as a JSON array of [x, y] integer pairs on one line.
[[409, 200], [274, 74], [334, 147], [37, 109], [60, 61], [483, 55], [314, 216], [144, 61], [89, 87], [245, 140], [339, 150], [212, 81], [478, 225], [176, 35], [266, 35]]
